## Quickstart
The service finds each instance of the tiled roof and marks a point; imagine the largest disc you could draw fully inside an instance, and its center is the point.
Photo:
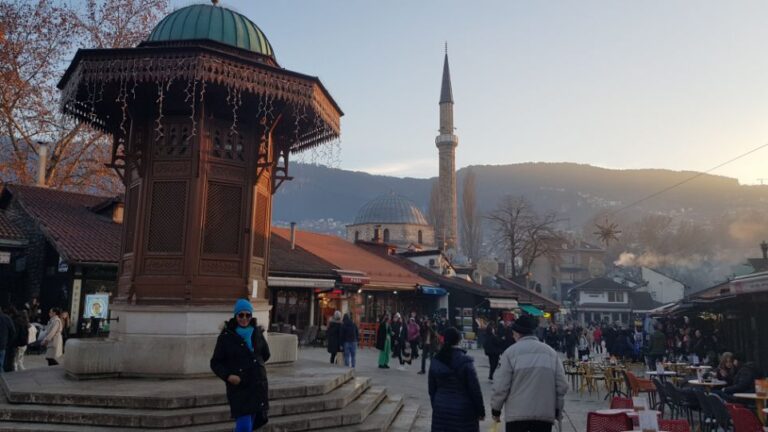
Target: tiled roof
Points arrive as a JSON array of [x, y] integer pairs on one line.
[[528, 296], [297, 262], [65, 218], [642, 301], [9, 230], [348, 256], [602, 284]]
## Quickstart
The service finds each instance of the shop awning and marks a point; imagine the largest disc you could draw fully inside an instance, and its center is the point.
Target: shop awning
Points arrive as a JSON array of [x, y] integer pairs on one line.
[[353, 277], [532, 310], [430, 290], [499, 303]]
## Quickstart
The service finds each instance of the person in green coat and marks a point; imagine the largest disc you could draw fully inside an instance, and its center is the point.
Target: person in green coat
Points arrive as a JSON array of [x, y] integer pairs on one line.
[[658, 346], [384, 342]]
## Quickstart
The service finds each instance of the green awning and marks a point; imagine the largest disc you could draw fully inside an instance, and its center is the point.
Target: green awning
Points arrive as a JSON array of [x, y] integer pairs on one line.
[[533, 310]]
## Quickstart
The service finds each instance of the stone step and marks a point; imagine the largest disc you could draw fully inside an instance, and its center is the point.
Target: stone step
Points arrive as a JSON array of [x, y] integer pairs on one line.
[[50, 387], [405, 419], [380, 419], [354, 413], [423, 422], [143, 418]]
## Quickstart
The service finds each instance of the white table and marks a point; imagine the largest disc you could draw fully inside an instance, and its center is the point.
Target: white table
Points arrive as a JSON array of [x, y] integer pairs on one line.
[[662, 375]]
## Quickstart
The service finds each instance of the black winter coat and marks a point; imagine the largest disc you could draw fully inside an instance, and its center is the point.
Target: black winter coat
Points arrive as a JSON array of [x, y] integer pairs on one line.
[[7, 332], [333, 336], [457, 401], [349, 332], [232, 357], [493, 345], [381, 336], [744, 380]]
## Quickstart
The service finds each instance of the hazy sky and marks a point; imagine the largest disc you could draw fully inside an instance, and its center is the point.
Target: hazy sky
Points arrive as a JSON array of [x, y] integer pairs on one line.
[[619, 84]]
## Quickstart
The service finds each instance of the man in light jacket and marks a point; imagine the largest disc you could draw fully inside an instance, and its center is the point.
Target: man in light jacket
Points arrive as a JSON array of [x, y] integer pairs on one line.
[[530, 383]]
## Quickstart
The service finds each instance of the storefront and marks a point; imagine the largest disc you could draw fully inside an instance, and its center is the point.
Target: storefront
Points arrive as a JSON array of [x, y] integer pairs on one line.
[[293, 300]]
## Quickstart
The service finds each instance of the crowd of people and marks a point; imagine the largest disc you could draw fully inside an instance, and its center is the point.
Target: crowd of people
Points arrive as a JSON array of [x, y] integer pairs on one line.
[[21, 331]]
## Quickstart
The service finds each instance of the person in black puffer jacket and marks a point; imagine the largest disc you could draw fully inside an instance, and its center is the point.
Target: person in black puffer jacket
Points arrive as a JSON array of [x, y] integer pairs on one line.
[[333, 336], [454, 391], [238, 359], [349, 337], [494, 347]]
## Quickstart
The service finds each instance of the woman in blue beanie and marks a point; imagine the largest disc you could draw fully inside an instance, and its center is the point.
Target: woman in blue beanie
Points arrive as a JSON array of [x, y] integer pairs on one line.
[[238, 359]]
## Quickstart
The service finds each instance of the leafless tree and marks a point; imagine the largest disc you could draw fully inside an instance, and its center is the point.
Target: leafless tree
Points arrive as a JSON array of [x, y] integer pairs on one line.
[[37, 39], [471, 229], [522, 233]]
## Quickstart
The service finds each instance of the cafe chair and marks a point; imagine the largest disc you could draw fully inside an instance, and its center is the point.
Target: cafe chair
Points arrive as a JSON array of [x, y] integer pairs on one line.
[[621, 403], [743, 419], [722, 416], [678, 425], [608, 422]]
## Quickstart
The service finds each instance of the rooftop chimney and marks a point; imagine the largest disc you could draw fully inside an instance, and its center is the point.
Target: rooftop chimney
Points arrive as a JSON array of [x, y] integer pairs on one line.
[[293, 235], [42, 161], [764, 248]]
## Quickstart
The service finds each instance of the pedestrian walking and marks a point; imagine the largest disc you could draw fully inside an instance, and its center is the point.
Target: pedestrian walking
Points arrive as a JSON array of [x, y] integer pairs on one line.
[[398, 339], [7, 337], [583, 345], [31, 335], [530, 384], [21, 324], [384, 342], [429, 343], [349, 335], [454, 391], [238, 359], [414, 334], [333, 336], [494, 346], [52, 341]]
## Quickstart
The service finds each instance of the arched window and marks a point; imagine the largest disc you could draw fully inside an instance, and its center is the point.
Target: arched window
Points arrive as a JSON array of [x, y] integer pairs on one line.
[[357, 235], [421, 239], [386, 235]]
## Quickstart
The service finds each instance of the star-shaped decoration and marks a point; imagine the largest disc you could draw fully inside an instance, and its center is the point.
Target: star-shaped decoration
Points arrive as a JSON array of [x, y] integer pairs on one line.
[[607, 232]]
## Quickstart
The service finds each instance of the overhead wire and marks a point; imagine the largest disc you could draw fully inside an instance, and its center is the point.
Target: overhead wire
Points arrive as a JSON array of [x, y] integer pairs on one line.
[[682, 182]]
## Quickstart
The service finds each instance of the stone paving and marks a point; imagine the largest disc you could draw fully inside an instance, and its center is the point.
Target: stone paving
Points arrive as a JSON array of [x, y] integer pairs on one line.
[[414, 387]]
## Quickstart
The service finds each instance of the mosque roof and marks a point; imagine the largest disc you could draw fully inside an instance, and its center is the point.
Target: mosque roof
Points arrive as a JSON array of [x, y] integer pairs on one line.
[[390, 209], [216, 23]]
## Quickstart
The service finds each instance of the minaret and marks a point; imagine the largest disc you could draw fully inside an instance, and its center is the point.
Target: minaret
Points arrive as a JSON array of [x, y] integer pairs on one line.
[[446, 142]]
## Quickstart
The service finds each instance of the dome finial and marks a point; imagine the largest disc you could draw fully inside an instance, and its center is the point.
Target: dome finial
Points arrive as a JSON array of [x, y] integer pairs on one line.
[[446, 47]]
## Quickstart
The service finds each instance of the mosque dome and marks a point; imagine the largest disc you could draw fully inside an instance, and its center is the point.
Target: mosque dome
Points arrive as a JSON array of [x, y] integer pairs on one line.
[[390, 209], [211, 22]]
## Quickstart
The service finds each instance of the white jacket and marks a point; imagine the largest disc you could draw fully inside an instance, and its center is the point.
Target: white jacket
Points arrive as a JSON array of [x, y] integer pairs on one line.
[[530, 383]]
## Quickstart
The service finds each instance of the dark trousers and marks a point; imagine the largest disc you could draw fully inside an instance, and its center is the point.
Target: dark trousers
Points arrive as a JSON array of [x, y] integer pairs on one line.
[[529, 426], [333, 357], [493, 359], [414, 349], [426, 352]]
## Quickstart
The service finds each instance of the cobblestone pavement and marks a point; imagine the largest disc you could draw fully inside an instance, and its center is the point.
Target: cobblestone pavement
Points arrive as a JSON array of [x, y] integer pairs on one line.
[[414, 387]]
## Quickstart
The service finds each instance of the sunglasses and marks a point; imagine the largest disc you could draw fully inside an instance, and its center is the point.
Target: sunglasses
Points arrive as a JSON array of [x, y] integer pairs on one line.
[[243, 315]]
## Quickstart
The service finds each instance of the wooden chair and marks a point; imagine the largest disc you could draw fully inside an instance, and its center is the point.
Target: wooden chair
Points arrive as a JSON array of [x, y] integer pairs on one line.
[[608, 422], [572, 372], [613, 382], [367, 335], [674, 425], [591, 380]]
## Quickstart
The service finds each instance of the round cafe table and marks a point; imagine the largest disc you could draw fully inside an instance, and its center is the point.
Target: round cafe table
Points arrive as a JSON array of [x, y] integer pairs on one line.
[[759, 403], [662, 375], [708, 385]]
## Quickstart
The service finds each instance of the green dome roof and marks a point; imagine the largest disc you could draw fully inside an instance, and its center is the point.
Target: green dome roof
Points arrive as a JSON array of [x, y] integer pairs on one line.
[[214, 23]]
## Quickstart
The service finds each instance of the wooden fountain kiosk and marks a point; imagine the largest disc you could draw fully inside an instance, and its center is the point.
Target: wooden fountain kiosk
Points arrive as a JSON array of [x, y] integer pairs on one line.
[[203, 120]]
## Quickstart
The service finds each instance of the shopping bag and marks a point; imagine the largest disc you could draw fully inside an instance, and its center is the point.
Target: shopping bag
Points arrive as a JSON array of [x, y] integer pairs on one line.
[[494, 427]]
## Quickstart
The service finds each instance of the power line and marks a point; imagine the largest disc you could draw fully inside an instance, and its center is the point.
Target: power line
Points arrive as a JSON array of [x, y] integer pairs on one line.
[[693, 177]]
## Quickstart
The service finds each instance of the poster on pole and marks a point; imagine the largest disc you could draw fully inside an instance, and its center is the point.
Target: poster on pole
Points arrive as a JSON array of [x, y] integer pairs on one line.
[[96, 306]]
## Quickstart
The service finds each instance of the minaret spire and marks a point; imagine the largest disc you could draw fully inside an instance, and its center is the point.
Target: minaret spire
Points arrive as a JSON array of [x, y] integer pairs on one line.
[[447, 223], [446, 92]]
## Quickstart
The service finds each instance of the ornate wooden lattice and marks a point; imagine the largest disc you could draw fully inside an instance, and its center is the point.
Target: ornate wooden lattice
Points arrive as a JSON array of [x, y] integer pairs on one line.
[[227, 145], [166, 220], [260, 225], [222, 219], [172, 140]]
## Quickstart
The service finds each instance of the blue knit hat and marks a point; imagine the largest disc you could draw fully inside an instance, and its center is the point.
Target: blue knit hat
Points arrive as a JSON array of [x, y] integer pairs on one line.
[[243, 305]]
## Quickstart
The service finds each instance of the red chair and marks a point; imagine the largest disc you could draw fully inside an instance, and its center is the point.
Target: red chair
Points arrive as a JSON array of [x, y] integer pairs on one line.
[[608, 422], [743, 419], [621, 403], [674, 425]]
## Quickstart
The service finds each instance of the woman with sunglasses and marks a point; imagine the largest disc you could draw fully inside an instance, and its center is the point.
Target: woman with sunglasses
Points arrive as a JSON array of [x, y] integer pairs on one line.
[[238, 359]]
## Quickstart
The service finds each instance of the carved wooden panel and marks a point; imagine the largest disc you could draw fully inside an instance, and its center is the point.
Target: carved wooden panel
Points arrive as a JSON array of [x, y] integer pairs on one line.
[[222, 225], [166, 216], [260, 225], [172, 140], [126, 266], [130, 221], [172, 169], [163, 266], [226, 172], [226, 144], [220, 267]]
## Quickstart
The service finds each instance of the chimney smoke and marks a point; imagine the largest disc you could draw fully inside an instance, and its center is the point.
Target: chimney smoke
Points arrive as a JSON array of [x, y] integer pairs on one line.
[[42, 162], [293, 235]]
